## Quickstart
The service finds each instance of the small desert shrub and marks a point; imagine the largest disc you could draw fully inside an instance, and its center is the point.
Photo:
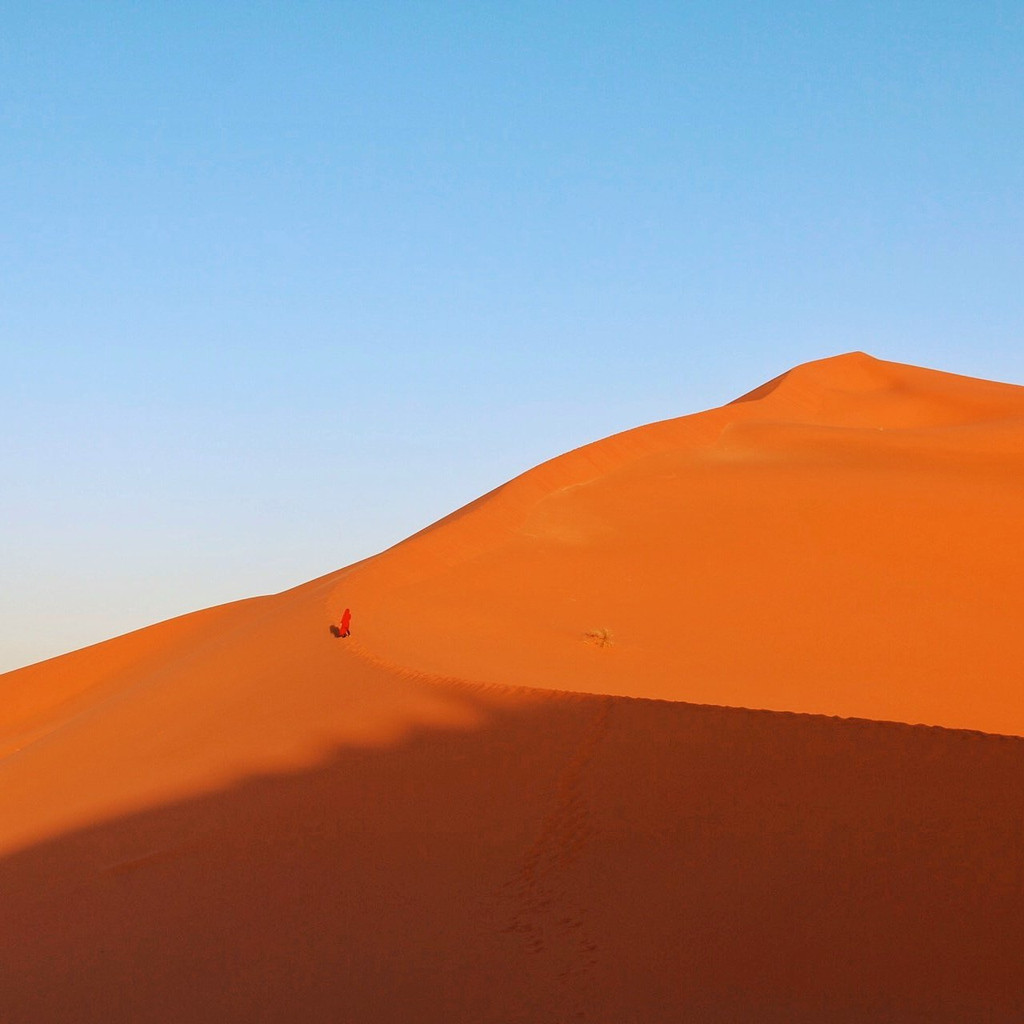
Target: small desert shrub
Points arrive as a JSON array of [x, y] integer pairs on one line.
[[598, 637]]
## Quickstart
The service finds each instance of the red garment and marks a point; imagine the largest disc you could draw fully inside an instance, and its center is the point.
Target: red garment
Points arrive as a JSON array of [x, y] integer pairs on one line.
[[346, 618]]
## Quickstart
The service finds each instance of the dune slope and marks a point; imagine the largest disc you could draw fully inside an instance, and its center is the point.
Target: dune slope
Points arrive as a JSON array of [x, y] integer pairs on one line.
[[499, 800], [842, 541]]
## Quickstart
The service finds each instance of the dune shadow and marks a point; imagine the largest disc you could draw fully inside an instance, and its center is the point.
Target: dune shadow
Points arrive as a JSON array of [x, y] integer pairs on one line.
[[580, 858]]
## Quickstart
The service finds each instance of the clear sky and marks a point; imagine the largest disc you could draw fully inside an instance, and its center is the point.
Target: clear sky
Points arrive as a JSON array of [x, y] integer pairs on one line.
[[281, 283]]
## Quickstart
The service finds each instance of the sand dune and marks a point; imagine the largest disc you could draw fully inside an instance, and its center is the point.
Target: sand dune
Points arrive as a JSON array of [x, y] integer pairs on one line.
[[501, 799]]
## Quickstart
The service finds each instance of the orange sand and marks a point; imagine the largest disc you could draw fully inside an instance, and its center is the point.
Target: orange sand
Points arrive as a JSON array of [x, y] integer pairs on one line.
[[463, 812]]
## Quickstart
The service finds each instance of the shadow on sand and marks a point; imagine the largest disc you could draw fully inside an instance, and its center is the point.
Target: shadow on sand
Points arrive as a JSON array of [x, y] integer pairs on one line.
[[585, 858]]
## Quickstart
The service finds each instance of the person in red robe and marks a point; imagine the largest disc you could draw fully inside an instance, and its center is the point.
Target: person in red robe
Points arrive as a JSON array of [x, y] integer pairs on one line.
[[346, 619]]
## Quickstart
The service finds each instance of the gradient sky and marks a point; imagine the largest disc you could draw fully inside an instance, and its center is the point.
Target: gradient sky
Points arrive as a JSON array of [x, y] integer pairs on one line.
[[281, 283]]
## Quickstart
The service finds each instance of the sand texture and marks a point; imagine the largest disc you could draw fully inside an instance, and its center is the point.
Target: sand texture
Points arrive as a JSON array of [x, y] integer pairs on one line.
[[717, 720]]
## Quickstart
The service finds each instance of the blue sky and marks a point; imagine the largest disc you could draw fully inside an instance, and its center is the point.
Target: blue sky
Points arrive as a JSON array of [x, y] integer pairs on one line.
[[281, 283]]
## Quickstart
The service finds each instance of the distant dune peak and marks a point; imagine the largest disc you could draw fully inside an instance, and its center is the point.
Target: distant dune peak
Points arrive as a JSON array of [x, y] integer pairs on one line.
[[833, 371], [855, 389]]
